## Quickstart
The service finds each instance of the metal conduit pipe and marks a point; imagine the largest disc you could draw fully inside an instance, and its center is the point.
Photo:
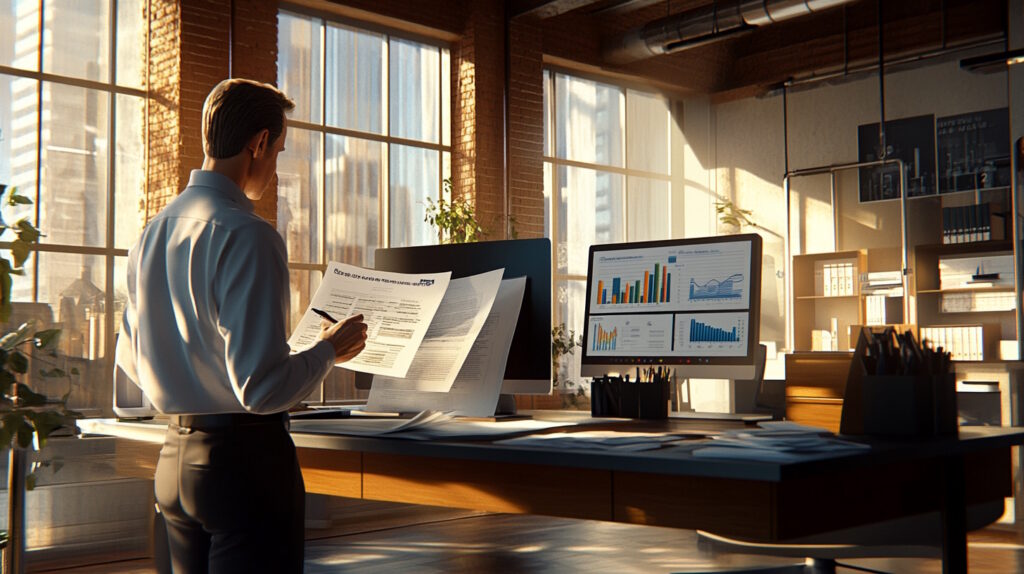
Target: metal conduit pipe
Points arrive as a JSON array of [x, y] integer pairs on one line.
[[707, 24]]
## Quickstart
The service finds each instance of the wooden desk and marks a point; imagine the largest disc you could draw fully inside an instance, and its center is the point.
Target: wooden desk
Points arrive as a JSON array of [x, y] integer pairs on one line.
[[763, 501]]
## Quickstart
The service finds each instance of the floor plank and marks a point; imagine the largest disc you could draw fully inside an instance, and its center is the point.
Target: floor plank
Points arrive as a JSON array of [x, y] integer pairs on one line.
[[520, 543]]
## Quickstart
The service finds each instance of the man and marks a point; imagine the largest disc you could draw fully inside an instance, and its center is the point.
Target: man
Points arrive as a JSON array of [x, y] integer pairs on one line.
[[204, 335]]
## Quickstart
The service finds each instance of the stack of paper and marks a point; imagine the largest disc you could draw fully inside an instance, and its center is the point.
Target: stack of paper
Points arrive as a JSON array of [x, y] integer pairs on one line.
[[595, 440], [432, 342], [427, 425], [778, 442]]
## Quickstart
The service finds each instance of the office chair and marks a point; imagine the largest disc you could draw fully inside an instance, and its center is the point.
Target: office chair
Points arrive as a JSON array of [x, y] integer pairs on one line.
[[917, 536], [910, 537]]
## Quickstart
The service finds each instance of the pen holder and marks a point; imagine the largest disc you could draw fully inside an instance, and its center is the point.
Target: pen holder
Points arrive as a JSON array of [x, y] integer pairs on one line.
[[652, 400], [909, 405], [614, 397]]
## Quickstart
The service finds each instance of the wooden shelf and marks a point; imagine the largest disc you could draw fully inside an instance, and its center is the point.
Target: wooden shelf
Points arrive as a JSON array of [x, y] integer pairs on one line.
[[825, 297], [1006, 288], [966, 248]]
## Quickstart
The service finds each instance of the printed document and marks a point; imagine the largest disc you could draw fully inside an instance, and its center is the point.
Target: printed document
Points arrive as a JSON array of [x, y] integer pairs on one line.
[[476, 388], [397, 308], [456, 325]]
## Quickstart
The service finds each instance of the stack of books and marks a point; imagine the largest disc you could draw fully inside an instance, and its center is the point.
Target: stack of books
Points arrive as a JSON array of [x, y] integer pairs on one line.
[[963, 342], [836, 279], [969, 223]]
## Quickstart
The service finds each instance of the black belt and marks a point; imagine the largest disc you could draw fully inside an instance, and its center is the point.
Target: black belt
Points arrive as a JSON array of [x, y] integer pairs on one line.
[[225, 421]]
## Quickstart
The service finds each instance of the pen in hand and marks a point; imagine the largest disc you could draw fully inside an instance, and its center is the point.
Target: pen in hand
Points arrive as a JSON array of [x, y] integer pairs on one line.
[[324, 314]]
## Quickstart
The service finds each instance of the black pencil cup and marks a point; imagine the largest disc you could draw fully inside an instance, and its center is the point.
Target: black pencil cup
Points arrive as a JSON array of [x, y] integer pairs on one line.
[[614, 397], [910, 405]]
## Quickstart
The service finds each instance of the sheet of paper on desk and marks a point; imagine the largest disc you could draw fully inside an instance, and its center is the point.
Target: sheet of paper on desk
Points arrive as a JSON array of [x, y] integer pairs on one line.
[[595, 440], [778, 444], [368, 427], [459, 319], [478, 384], [437, 429], [397, 307]]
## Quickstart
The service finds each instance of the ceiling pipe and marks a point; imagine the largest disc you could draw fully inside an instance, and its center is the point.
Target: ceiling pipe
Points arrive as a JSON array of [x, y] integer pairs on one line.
[[707, 24]]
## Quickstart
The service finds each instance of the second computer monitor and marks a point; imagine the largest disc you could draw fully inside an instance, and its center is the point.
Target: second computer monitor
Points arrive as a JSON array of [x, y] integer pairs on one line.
[[688, 304], [528, 369]]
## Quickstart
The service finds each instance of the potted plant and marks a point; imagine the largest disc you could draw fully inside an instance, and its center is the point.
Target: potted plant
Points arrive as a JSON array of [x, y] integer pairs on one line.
[[455, 218], [27, 418], [574, 395]]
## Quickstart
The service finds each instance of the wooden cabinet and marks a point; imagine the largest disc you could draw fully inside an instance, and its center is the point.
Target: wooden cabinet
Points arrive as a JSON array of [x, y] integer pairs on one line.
[[966, 299]]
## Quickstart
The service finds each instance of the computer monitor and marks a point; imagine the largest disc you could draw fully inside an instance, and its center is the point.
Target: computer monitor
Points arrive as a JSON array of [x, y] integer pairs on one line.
[[689, 304], [528, 369]]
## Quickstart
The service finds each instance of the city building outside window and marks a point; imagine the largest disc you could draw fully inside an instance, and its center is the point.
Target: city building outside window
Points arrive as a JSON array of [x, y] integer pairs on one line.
[[607, 179], [72, 125], [368, 144]]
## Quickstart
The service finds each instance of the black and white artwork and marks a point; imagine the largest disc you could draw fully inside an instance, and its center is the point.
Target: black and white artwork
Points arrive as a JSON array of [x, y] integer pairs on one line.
[[974, 150], [909, 139]]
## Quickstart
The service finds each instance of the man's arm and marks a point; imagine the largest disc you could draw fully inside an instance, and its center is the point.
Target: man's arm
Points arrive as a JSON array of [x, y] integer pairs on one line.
[[251, 290]]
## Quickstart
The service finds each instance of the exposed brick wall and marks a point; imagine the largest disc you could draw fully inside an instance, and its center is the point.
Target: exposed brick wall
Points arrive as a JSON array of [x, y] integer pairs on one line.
[[254, 56], [205, 45], [163, 131], [192, 43], [526, 130], [478, 163]]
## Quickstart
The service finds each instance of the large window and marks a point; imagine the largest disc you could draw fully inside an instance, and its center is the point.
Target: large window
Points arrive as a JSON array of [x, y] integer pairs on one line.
[[368, 145], [607, 178], [72, 102]]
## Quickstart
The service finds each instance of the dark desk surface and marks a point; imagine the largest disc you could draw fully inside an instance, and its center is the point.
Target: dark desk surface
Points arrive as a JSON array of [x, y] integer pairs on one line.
[[669, 460]]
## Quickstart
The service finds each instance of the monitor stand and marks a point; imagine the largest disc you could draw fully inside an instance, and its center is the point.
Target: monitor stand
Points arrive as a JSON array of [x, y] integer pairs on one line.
[[506, 410], [506, 405], [742, 403]]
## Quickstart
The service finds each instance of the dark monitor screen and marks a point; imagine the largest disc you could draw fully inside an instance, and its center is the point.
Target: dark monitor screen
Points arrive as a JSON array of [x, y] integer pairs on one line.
[[528, 369], [690, 304]]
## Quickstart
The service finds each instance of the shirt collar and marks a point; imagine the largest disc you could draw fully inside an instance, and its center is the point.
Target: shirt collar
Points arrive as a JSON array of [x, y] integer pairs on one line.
[[221, 183]]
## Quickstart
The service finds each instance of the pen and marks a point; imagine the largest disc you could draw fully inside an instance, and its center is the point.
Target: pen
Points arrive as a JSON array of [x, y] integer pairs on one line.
[[324, 314]]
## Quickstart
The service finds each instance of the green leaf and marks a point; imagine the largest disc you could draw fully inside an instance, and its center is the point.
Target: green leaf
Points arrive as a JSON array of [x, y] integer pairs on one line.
[[44, 339], [17, 362], [16, 199], [20, 249], [29, 398], [25, 434], [5, 295], [45, 422], [26, 231]]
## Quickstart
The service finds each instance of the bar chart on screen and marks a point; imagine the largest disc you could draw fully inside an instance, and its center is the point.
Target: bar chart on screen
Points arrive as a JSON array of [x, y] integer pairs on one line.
[[625, 334], [710, 333]]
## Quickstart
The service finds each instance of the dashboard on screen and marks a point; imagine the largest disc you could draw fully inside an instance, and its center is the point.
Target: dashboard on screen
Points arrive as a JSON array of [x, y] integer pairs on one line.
[[693, 303]]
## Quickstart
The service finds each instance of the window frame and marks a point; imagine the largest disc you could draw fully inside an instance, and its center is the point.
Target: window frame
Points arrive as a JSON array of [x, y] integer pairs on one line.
[[110, 253], [385, 138], [551, 158]]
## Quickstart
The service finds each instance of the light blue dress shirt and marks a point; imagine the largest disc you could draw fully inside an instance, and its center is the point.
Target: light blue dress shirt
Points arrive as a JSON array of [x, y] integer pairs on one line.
[[204, 329]]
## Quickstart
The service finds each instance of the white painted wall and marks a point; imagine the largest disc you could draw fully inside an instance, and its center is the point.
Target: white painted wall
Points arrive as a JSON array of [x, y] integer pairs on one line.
[[735, 150]]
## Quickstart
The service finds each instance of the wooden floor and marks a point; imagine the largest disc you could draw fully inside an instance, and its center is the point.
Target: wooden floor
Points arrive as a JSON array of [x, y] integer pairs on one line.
[[516, 543]]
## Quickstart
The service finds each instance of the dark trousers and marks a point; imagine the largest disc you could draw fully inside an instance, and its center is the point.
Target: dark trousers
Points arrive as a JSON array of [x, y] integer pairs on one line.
[[232, 495]]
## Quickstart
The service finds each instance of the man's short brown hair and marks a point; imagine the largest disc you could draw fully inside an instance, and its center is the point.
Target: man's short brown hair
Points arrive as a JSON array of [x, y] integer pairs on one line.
[[238, 109]]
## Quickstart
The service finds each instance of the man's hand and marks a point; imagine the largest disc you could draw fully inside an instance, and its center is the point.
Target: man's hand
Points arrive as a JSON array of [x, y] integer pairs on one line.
[[348, 337]]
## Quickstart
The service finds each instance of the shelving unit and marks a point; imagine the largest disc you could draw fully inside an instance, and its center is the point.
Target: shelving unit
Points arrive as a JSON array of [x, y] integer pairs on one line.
[[815, 311], [997, 325]]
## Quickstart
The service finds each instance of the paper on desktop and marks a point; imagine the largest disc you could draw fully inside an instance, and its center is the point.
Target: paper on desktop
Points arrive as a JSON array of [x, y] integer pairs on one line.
[[397, 307], [448, 341], [475, 389]]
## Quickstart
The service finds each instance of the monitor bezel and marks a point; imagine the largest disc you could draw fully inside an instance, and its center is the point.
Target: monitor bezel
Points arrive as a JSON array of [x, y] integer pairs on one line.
[[538, 292], [739, 367]]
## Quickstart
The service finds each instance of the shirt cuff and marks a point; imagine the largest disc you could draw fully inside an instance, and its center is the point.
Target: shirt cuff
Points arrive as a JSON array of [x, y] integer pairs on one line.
[[324, 351]]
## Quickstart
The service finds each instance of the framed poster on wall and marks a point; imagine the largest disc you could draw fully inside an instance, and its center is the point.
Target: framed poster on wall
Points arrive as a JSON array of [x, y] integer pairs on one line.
[[974, 150], [909, 139]]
